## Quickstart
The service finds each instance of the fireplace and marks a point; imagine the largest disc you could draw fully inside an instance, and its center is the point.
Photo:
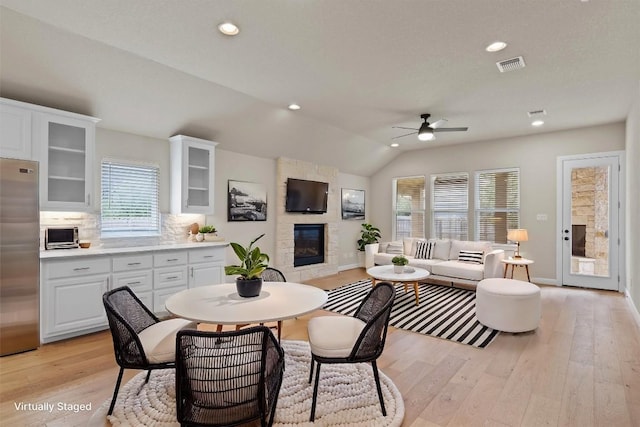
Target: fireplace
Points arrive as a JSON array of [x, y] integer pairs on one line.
[[308, 244]]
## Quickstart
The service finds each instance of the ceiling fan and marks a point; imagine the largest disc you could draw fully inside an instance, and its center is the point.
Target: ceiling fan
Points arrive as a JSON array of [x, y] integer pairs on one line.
[[426, 130]]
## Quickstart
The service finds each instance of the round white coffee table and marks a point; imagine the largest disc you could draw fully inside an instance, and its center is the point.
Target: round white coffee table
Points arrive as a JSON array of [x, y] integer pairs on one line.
[[411, 275], [517, 262]]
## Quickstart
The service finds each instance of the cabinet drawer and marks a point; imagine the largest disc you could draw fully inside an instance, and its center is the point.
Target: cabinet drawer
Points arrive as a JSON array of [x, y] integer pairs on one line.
[[206, 255], [79, 266], [169, 277], [166, 259], [138, 281], [132, 262]]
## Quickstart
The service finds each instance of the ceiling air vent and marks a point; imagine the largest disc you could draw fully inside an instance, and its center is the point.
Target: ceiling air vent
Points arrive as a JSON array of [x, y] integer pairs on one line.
[[537, 113], [511, 64]]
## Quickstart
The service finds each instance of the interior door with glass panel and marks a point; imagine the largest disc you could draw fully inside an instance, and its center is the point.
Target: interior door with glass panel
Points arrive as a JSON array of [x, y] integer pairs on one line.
[[590, 222]]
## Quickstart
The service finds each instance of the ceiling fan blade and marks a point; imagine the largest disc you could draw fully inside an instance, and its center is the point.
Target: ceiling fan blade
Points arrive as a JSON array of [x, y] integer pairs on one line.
[[402, 127], [407, 134], [436, 125], [450, 130]]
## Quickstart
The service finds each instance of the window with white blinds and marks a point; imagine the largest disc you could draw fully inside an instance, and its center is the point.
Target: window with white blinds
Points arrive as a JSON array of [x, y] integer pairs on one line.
[[497, 204], [129, 199], [408, 207], [450, 206]]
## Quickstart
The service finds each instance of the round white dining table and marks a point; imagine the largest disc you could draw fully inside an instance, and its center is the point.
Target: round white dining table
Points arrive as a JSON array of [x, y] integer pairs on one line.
[[221, 304]]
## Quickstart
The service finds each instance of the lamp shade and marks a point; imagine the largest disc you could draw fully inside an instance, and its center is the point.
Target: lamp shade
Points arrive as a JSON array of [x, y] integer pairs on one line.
[[518, 235]]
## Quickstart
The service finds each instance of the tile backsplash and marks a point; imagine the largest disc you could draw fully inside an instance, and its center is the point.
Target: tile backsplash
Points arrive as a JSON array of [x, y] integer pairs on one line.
[[175, 229]]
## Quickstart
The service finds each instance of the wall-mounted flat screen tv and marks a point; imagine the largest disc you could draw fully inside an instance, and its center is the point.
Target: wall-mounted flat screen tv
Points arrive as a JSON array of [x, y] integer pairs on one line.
[[306, 196]]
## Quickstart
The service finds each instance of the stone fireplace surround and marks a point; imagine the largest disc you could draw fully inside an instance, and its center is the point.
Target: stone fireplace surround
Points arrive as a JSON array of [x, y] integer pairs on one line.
[[289, 168]]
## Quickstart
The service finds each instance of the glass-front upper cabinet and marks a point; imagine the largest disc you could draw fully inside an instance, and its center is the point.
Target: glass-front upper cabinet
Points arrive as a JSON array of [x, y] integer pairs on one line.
[[192, 175], [67, 146]]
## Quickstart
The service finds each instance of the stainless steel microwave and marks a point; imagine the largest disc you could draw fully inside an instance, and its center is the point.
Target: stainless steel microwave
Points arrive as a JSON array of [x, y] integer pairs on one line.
[[61, 238]]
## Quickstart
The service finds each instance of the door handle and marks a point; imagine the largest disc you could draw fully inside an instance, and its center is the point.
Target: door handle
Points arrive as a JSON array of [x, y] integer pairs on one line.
[[566, 238]]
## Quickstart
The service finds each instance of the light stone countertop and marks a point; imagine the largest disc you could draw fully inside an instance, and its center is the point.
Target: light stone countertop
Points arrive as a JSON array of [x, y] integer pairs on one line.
[[68, 253]]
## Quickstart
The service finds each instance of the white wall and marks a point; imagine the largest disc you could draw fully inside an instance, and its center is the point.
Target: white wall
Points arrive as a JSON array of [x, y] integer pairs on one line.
[[632, 145], [350, 257], [534, 155]]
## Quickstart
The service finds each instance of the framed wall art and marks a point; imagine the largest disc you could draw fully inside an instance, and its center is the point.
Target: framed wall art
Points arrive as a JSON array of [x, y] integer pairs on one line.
[[246, 201], [352, 204]]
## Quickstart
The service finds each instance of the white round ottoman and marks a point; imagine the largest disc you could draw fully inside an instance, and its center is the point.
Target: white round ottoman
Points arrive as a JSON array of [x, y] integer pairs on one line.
[[508, 305]]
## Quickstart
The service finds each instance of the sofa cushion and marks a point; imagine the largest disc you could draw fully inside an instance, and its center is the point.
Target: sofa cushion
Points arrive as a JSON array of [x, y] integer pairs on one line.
[[468, 245], [460, 270], [424, 250], [395, 248], [427, 264], [476, 257], [442, 249]]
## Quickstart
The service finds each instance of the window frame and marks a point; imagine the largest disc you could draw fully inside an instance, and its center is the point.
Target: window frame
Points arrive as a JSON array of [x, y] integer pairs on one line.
[[151, 229], [394, 208]]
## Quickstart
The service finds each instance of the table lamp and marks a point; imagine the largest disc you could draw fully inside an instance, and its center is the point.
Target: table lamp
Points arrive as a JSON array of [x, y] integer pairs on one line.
[[517, 235]]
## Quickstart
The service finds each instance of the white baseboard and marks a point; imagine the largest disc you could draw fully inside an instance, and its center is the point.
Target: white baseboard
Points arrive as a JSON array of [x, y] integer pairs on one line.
[[545, 281], [348, 267], [634, 309]]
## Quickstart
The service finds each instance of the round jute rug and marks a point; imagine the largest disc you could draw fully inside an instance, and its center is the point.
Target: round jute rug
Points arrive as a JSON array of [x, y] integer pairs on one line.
[[346, 396]]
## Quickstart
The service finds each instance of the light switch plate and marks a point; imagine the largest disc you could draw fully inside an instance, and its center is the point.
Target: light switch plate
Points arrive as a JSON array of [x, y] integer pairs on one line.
[[542, 217]]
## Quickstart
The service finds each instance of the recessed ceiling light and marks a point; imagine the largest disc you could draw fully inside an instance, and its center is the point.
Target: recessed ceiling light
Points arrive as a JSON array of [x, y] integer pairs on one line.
[[293, 107], [496, 46], [228, 29], [395, 144], [537, 123]]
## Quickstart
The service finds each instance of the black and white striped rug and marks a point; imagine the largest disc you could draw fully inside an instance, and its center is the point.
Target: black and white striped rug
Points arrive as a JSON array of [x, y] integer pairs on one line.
[[444, 312]]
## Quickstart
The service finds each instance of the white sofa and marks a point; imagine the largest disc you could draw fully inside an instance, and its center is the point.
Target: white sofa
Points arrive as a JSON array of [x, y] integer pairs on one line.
[[444, 264]]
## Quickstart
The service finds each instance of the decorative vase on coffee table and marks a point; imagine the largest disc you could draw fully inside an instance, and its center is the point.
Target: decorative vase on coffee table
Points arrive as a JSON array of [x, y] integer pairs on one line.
[[398, 269], [248, 288]]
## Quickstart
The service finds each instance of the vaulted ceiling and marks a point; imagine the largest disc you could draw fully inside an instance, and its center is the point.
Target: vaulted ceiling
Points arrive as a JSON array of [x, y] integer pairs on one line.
[[357, 68]]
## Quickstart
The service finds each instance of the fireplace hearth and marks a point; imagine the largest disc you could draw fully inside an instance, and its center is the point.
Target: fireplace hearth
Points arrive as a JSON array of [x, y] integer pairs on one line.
[[308, 244]]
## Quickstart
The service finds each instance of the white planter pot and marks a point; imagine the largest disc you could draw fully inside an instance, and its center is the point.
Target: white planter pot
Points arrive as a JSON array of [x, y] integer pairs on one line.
[[398, 269], [369, 251]]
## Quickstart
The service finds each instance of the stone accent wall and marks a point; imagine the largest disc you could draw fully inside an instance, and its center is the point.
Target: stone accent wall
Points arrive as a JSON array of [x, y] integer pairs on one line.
[[590, 207], [289, 168]]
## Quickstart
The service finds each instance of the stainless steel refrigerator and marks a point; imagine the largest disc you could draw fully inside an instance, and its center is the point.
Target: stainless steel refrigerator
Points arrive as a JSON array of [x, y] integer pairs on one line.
[[19, 256]]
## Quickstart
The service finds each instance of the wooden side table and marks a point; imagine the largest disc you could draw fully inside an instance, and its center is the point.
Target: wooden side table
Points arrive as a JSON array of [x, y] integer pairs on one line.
[[517, 262]]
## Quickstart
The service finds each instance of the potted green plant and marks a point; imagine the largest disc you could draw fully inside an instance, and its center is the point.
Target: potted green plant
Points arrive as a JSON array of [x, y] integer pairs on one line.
[[252, 263], [399, 261], [368, 235], [368, 242], [207, 231]]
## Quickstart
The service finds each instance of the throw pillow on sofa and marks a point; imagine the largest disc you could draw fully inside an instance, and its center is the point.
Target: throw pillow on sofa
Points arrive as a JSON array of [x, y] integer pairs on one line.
[[474, 257], [442, 248], [395, 248], [425, 249]]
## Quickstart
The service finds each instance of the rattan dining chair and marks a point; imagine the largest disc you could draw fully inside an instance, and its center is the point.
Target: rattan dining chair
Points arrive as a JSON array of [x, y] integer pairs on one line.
[[345, 339], [140, 339], [227, 378]]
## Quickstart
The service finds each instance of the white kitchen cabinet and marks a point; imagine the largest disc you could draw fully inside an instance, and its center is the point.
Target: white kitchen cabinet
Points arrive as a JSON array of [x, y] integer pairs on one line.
[[206, 266], [192, 175], [71, 297], [63, 143], [72, 283], [169, 277], [15, 131], [66, 154], [136, 272]]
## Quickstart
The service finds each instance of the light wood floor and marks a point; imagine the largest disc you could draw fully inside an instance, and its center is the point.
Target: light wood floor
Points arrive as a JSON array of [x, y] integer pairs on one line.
[[581, 367]]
